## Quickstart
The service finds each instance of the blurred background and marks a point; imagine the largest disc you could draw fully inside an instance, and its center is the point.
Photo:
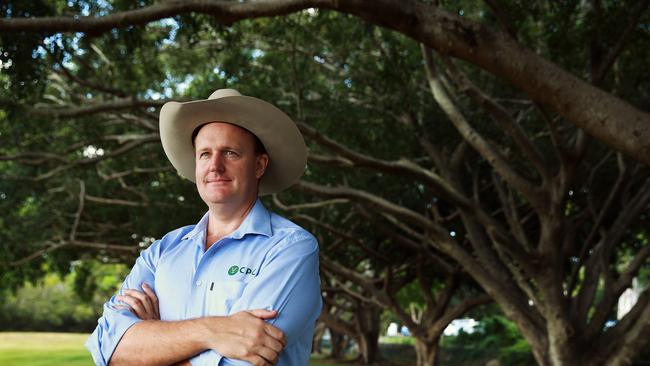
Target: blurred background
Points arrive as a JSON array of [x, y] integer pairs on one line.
[[478, 174]]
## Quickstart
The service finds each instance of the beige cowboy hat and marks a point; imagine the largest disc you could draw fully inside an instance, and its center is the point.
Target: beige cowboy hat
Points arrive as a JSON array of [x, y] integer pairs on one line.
[[277, 132]]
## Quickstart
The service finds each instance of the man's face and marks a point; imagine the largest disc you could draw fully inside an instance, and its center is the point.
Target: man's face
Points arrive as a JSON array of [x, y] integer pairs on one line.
[[227, 169]]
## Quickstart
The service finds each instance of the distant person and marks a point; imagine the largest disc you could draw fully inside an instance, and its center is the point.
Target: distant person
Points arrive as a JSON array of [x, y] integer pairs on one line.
[[392, 330], [404, 330], [242, 285]]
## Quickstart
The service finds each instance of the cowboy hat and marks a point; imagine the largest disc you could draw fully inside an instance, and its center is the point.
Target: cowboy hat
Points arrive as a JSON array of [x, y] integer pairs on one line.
[[277, 132]]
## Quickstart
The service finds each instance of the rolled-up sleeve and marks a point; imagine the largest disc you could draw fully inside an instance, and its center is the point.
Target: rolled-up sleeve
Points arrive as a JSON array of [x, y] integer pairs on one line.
[[114, 321], [289, 283]]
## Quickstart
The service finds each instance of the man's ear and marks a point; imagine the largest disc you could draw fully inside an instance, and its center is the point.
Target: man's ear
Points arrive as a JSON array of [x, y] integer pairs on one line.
[[261, 162]]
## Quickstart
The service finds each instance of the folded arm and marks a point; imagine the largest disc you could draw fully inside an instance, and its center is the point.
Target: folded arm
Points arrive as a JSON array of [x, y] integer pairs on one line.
[[244, 336]]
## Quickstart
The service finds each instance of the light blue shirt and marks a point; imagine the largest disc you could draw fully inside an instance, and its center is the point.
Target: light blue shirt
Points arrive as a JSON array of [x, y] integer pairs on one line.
[[267, 263]]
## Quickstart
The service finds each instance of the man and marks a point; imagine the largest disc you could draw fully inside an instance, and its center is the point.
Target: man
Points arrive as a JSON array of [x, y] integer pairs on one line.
[[241, 286]]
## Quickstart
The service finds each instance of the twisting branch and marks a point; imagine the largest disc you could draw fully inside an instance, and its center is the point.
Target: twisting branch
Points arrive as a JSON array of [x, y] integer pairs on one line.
[[554, 133], [83, 82], [615, 51], [113, 201], [309, 205], [499, 115], [33, 158], [378, 202], [346, 236], [377, 295], [510, 212], [77, 216], [94, 108], [335, 269], [49, 246], [135, 170], [588, 243], [146, 121], [602, 254], [602, 115], [399, 167], [87, 161], [418, 246], [501, 16], [482, 146]]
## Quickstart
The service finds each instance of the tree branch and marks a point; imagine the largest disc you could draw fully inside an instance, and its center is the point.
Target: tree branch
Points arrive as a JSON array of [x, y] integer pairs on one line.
[[601, 114], [483, 147]]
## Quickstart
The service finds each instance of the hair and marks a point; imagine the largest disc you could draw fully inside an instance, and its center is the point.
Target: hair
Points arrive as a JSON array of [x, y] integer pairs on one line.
[[257, 143]]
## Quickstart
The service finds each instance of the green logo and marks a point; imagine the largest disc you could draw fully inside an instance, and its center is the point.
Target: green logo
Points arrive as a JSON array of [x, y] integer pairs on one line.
[[233, 270]]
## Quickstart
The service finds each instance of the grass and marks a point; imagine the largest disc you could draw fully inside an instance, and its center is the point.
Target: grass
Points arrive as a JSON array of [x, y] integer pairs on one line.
[[43, 349], [397, 340], [54, 349]]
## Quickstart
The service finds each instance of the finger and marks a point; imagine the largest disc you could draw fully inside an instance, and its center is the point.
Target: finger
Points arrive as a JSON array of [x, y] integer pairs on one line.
[[258, 361], [153, 298], [144, 300], [263, 313], [136, 306], [276, 333], [268, 355], [273, 344]]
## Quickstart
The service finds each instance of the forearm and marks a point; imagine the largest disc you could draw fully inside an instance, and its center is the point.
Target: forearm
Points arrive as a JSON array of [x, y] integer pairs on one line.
[[155, 342]]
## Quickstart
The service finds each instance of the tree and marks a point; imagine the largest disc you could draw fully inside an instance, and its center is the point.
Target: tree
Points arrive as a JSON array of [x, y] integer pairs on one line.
[[600, 114], [367, 272], [534, 210]]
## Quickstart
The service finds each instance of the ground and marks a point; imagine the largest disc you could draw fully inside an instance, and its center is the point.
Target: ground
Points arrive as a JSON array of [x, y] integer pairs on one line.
[[53, 349]]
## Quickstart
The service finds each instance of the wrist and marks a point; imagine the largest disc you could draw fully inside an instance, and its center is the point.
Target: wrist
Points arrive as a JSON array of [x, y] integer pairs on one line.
[[209, 330]]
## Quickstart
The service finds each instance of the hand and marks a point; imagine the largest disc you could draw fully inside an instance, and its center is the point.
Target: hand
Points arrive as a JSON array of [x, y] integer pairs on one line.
[[246, 336], [143, 304]]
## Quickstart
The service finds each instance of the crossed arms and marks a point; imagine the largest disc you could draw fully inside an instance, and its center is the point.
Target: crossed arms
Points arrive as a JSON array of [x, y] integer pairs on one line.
[[288, 283], [244, 335]]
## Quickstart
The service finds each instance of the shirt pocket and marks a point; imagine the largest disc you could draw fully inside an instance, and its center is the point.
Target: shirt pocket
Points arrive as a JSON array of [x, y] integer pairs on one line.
[[221, 295]]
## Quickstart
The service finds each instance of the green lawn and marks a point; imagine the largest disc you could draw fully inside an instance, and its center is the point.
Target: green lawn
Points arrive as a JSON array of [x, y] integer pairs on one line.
[[43, 349], [54, 349]]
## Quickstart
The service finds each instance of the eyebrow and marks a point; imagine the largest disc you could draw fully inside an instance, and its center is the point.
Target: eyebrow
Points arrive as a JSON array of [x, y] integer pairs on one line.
[[207, 148]]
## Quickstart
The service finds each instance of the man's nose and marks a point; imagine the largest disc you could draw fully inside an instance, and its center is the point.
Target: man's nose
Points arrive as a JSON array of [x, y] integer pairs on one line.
[[217, 163]]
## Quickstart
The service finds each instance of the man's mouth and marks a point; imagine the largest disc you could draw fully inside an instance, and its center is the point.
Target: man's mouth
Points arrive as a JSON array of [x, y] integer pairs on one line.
[[217, 180]]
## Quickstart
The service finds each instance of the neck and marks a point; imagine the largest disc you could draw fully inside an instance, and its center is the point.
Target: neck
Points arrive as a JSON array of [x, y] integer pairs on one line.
[[223, 219]]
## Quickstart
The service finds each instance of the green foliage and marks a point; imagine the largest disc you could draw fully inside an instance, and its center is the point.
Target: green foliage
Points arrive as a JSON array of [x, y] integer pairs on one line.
[[353, 81], [495, 336], [51, 303]]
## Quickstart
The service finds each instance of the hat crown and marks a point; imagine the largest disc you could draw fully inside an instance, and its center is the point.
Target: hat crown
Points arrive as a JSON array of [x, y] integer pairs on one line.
[[221, 93]]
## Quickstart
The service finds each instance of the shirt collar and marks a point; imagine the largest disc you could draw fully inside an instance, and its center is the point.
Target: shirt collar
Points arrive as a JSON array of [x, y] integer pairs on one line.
[[199, 228], [258, 221]]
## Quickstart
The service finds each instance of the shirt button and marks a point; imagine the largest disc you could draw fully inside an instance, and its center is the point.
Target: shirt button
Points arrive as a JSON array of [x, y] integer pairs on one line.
[[198, 283]]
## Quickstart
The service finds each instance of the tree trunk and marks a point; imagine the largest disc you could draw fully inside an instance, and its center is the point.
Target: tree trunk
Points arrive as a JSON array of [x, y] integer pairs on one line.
[[367, 322], [426, 352], [369, 347], [317, 340], [337, 341], [561, 352]]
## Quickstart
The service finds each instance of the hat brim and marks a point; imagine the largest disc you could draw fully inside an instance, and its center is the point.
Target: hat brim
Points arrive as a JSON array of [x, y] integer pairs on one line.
[[277, 132]]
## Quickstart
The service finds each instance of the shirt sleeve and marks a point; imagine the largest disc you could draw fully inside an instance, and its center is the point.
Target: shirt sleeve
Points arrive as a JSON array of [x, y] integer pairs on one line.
[[115, 322], [289, 283]]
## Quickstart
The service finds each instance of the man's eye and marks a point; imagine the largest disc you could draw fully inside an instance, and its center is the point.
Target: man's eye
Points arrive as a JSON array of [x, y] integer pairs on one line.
[[203, 155], [230, 153]]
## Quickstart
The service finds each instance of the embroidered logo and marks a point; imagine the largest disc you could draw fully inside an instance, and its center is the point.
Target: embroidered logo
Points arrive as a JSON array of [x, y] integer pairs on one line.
[[233, 270]]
